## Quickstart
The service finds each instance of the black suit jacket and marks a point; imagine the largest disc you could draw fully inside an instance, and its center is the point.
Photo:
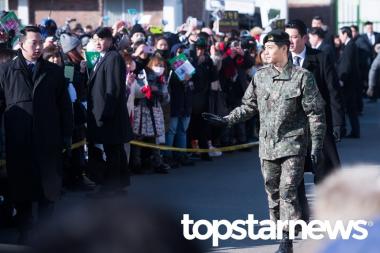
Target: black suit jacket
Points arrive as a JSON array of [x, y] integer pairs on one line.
[[348, 68], [365, 40], [108, 120], [366, 53], [329, 50], [325, 75]]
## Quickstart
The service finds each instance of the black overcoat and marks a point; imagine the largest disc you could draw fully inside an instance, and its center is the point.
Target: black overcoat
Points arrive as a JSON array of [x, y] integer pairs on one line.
[[37, 117], [325, 74], [108, 120]]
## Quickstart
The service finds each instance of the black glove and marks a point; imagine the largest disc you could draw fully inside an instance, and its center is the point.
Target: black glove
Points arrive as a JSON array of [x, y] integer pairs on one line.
[[215, 120], [337, 133], [316, 157]]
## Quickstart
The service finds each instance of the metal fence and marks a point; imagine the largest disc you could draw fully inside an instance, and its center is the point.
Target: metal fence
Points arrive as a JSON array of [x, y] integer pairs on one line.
[[357, 12]]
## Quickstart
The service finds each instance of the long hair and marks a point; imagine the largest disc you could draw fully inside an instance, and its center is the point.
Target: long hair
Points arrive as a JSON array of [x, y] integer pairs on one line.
[[74, 56]]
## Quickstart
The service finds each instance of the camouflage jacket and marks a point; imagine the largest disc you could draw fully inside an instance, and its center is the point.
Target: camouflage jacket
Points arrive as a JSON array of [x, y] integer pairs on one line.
[[290, 107]]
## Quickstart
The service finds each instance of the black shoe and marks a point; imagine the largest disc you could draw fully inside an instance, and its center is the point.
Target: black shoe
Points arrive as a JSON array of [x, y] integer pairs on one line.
[[173, 163], [206, 157], [286, 245], [81, 185], [163, 168], [185, 161]]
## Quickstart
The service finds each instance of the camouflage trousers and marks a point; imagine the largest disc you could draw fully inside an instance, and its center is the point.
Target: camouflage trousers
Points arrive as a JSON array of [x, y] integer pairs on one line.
[[281, 178]]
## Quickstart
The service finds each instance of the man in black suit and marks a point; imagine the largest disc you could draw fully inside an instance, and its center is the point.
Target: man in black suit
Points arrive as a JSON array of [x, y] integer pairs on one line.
[[317, 41], [325, 75], [364, 63], [317, 21], [355, 32], [108, 120], [369, 39], [38, 123], [349, 78], [366, 45]]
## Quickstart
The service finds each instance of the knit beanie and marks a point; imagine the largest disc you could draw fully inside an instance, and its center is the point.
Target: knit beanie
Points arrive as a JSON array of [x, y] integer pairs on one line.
[[137, 28], [68, 42]]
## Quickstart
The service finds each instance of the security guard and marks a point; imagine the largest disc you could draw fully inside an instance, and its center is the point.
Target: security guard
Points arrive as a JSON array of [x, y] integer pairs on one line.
[[290, 105]]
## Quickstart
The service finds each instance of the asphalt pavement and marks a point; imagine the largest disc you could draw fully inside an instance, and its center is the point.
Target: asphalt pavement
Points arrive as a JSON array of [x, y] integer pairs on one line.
[[231, 187]]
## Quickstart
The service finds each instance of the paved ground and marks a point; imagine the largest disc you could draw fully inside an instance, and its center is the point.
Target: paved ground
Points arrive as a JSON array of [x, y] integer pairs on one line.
[[231, 187]]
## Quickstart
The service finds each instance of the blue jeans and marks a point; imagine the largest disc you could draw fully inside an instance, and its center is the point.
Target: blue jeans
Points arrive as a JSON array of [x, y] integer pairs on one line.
[[177, 131]]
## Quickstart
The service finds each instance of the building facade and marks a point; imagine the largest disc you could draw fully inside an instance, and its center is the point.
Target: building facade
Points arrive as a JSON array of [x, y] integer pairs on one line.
[[87, 12]]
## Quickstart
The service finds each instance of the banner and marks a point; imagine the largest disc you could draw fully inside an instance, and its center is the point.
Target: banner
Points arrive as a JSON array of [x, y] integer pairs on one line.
[[92, 58], [156, 30], [181, 66], [10, 22], [229, 21]]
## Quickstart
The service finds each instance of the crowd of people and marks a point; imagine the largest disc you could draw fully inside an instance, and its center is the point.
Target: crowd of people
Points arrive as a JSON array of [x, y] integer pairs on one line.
[[53, 95]]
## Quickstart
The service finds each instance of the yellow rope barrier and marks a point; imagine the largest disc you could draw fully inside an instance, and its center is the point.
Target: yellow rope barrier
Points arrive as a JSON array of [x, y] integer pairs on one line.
[[168, 148]]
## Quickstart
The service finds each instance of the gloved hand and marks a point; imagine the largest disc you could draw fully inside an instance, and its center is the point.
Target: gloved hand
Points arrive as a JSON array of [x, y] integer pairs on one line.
[[337, 133], [316, 157], [215, 120]]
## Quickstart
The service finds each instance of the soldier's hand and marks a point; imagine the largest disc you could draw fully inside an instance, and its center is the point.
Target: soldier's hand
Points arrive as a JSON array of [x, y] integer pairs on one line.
[[215, 120], [337, 133], [370, 92]]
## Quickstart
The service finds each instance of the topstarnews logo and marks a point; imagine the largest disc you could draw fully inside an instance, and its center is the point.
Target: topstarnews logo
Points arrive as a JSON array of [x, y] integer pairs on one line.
[[270, 230]]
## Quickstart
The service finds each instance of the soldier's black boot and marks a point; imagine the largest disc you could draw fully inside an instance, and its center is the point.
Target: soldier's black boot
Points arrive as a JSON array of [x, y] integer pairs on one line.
[[286, 245]]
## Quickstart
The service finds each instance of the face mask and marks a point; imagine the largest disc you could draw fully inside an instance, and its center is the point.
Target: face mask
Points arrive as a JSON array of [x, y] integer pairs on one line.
[[158, 70], [163, 53]]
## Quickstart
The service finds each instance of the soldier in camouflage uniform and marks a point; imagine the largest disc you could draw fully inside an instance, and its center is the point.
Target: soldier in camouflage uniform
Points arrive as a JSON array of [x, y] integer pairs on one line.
[[290, 105]]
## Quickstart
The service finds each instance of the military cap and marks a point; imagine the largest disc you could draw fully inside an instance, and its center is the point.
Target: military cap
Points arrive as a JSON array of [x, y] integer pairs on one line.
[[277, 36]]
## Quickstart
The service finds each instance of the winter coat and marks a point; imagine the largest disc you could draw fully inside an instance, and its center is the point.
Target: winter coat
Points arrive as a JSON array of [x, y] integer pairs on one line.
[[108, 120], [37, 118]]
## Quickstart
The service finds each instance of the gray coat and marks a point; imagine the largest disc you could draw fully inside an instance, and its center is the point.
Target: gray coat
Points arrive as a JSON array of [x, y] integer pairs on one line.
[[374, 73]]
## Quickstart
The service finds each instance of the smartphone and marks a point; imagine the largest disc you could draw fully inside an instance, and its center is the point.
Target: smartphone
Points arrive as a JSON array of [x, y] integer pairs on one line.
[[149, 49]]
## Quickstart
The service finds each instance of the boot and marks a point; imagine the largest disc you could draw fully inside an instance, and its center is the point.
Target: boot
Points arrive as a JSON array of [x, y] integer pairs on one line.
[[185, 161], [286, 245], [163, 168], [173, 163]]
